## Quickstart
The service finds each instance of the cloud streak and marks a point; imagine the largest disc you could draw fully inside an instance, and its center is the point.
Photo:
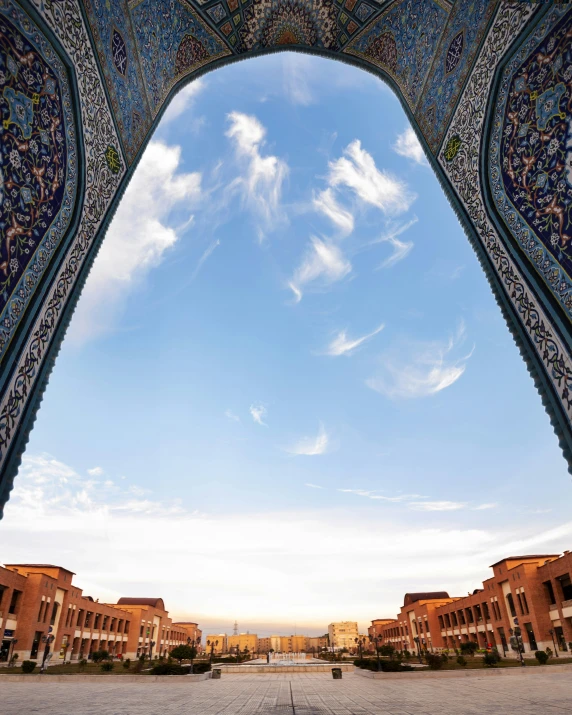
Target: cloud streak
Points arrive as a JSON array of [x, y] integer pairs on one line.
[[323, 264], [263, 175], [420, 369], [311, 446], [342, 345], [258, 413]]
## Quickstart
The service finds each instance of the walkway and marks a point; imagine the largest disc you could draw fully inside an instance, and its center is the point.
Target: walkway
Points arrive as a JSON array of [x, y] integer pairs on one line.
[[307, 694]]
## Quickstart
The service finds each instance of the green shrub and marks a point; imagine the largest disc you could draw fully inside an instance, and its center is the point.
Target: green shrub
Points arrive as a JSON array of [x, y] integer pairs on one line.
[[387, 650], [169, 669], [203, 666], [126, 663], [445, 657], [491, 658], [28, 666], [434, 661], [106, 666], [541, 657], [99, 655], [469, 648], [406, 654], [461, 660]]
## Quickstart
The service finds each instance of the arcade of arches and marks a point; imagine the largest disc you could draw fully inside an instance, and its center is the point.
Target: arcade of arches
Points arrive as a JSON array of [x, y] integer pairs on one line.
[[486, 84]]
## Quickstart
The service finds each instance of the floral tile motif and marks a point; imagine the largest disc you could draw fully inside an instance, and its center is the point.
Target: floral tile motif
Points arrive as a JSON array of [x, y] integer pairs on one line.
[[172, 42], [402, 42], [530, 152], [118, 57], [455, 56], [38, 166]]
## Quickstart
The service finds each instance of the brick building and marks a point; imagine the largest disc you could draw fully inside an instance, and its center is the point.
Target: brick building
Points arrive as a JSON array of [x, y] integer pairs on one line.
[[532, 592], [41, 600]]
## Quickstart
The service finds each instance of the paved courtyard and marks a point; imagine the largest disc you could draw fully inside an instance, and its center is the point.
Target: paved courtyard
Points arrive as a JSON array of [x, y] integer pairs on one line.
[[304, 694]]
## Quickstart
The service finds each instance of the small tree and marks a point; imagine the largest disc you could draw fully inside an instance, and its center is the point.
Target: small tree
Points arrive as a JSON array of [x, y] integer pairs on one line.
[[28, 666], [491, 658], [542, 657], [461, 660], [184, 652], [387, 649], [469, 648]]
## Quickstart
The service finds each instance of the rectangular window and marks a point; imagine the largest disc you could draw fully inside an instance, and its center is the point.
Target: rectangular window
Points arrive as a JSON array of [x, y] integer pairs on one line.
[[478, 612], [518, 598], [469, 612], [447, 620], [566, 586], [54, 613], [549, 591], [454, 618], [530, 634], [462, 618], [104, 626], [14, 601], [510, 602], [36, 644], [486, 611], [96, 621], [79, 617], [126, 629], [88, 618], [40, 610], [141, 632], [441, 623], [524, 603]]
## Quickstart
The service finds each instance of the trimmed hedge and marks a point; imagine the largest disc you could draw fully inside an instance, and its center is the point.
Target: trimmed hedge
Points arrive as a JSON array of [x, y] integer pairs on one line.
[[28, 666]]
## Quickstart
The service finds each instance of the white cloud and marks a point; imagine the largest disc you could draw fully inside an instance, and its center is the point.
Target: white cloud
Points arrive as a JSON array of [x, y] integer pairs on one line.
[[373, 494], [326, 203], [401, 249], [342, 345], [357, 171], [313, 486], [297, 69], [231, 416], [205, 256], [258, 413], [183, 101], [261, 183], [95, 472], [437, 505], [137, 239], [429, 368], [481, 507], [324, 262], [311, 446], [409, 146], [53, 506]]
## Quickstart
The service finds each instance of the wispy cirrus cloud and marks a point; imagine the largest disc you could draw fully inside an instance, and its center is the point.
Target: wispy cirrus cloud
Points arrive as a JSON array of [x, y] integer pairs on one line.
[[231, 416], [296, 71], [258, 413], [323, 264], [375, 495], [204, 258], [326, 203], [401, 249], [183, 101], [407, 144], [419, 369], [263, 175], [357, 171], [313, 486], [311, 446], [437, 505], [342, 345]]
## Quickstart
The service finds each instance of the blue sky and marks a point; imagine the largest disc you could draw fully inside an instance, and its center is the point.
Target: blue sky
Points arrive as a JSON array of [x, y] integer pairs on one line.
[[287, 394]]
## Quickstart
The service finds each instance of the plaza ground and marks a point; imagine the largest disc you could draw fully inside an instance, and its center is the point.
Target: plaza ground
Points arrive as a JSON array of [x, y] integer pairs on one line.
[[527, 693]]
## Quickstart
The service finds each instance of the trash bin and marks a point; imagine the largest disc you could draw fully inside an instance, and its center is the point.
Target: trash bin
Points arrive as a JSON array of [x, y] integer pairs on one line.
[[217, 672], [337, 673]]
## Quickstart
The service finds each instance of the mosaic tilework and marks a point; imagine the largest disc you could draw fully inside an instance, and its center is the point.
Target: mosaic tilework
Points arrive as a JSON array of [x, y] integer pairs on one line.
[[247, 25], [455, 56], [460, 159], [530, 152], [103, 169], [402, 42], [38, 167], [118, 57], [172, 43]]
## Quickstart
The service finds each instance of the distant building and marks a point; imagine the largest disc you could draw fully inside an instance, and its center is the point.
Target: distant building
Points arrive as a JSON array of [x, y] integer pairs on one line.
[[217, 642], [343, 634], [316, 645], [243, 641], [292, 644], [193, 632]]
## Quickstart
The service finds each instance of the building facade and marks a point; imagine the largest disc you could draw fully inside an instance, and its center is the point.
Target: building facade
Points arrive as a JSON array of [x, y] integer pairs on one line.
[[527, 596], [343, 634], [40, 603], [216, 643], [245, 642]]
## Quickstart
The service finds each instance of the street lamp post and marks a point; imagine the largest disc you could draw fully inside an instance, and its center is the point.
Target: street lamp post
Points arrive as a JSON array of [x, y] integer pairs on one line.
[[375, 639], [418, 643], [515, 641], [48, 640], [11, 651], [551, 631]]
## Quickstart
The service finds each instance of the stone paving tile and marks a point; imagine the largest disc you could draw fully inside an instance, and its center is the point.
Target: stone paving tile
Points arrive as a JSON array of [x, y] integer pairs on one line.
[[295, 694]]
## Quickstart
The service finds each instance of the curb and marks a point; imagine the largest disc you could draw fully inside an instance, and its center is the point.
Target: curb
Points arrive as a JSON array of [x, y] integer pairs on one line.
[[490, 672], [171, 679]]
